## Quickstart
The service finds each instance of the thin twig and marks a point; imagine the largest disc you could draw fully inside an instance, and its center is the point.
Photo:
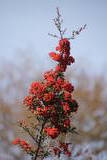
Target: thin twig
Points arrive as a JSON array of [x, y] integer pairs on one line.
[[40, 139], [53, 35], [58, 23], [77, 32], [30, 134]]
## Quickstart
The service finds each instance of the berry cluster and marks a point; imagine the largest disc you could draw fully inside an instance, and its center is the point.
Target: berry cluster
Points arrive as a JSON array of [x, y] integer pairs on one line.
[[23, 144], [52, 102], [63, 57], [52, 98]]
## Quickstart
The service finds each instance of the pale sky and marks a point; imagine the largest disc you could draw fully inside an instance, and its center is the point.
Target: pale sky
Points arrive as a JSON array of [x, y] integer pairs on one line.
[[25, 24]]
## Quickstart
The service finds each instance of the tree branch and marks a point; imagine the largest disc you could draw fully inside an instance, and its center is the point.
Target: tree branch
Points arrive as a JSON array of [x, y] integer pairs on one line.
[[39, 141]]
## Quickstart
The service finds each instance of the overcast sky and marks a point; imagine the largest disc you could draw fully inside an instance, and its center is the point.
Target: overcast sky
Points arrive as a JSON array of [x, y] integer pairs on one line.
[[25, 24]]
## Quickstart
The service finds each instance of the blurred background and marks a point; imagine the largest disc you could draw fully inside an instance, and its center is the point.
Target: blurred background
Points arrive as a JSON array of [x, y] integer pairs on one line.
[[24, 48]]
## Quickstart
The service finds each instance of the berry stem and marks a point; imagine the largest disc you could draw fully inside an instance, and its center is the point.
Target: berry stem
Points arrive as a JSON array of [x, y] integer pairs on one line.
[[39, 141]]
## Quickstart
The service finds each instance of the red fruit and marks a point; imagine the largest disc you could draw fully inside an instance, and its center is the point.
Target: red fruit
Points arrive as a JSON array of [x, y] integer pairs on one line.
[[28, 101], [23, 143], [66, 123], [61, 68], [70, 60], [52, 132], [55, 56], [48, 96], [66, 108], [64, 46], [37, 89], [64, 42], [16, 141], [39, 110], [67, 95], [68, 87]]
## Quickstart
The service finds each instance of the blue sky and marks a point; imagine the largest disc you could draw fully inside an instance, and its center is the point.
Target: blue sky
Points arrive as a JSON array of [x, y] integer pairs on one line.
[[25, 24]]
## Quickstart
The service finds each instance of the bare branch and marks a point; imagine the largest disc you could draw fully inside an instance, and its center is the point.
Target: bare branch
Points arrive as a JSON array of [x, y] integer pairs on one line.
[[53, 35], [77, 32], [58, 23]]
